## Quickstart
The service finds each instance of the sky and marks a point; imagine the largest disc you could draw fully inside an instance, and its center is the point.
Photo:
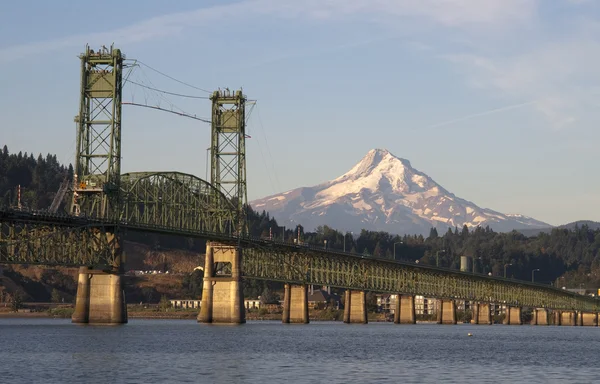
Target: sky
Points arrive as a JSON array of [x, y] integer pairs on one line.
[[498, 100]]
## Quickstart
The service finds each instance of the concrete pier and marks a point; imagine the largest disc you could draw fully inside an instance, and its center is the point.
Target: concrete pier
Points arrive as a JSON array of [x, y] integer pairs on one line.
[[512, 316], [222, 296], [540, 316], [404, 313], [446, 312], [100, 298], [568, 318], [355, 307], [482, 314], [295, 304], [589, 319]]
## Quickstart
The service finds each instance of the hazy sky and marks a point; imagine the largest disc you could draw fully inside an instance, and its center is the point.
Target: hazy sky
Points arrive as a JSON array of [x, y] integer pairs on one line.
[[496, 100]]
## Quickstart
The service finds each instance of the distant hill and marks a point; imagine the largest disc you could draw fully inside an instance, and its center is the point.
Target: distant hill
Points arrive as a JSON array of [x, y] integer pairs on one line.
[[529, 232]]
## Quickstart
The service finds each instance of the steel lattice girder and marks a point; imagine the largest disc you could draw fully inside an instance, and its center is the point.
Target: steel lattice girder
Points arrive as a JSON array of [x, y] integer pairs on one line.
[[98, 148], [292, 264], [174, 200], [55, 240]]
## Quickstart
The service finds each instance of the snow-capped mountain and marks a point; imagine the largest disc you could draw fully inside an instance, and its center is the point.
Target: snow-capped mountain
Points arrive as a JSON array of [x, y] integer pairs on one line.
[[384, 193]]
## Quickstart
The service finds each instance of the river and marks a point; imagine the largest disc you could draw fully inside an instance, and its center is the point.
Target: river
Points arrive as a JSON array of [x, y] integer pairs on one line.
[[183, 351]]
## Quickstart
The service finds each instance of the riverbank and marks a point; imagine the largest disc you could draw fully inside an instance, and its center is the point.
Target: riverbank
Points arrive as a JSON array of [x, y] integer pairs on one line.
[[135, 312]]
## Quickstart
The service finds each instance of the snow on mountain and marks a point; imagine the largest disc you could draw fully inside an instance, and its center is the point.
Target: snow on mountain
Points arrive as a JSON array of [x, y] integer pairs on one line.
[[384, 193]]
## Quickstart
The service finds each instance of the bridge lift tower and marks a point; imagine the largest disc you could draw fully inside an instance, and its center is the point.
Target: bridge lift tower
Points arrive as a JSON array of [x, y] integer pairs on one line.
[[96, 188], [228, 151]]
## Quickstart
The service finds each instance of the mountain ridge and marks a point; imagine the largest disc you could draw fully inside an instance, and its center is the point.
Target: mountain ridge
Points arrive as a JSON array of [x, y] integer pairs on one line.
[[384, 192]]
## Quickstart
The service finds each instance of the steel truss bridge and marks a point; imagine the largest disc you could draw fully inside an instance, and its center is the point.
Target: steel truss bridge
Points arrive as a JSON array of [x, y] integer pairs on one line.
[[38, 238], [105, 203]]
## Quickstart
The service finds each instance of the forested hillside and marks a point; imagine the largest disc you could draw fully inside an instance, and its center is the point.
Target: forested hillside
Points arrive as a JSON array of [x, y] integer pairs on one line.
[[39, 177]]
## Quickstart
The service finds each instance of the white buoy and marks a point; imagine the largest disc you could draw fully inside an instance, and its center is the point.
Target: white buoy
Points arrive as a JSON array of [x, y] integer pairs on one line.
[[469, 334]]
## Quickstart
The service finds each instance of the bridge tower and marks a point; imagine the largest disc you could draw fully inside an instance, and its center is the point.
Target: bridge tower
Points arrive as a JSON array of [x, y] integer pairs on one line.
[[228, 151], [96, 190], [98, 152], [222, 292]]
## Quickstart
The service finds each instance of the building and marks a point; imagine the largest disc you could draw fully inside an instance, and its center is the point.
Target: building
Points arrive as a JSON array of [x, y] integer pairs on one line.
[[185, 304], [386, 303]]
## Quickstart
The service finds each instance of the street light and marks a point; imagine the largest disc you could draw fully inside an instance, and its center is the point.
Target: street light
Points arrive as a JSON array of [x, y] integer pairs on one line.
[[533, 273], [399, 242], [506, 265]]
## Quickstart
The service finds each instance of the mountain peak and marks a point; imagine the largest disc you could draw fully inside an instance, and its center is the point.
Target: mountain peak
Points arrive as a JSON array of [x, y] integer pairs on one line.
[[384, 192]]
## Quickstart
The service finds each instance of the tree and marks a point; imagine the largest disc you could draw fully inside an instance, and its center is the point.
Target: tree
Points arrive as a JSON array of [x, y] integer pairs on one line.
[[55, 296], [267, 297], [164, 303], [17, 301], [433, 234]]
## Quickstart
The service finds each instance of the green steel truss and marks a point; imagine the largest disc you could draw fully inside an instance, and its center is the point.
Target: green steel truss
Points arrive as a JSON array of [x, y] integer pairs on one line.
[[98, 148], [54, 240], [159, 202], [174, 200], [228, 151], [299, 265]]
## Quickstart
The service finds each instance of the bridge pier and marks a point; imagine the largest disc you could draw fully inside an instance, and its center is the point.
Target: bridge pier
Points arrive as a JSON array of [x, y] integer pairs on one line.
[[446, 312], [512, 316], [482, 314], [100, 298], [295, 304], [540, 316], [404, 313], [222, 292], [568, 318], [588, 319], [355, 307]]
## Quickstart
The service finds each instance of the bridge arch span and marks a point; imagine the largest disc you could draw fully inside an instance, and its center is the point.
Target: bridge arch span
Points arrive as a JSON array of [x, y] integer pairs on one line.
[[174, 200]]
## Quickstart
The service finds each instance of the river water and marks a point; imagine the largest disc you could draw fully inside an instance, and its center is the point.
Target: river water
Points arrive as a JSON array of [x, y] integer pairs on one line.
[[183, 351]]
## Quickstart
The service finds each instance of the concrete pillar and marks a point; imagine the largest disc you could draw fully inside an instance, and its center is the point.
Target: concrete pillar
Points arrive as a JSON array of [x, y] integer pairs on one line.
[[568, 318], [589, 319], [355, 307], [512, 316], [485, 315], [295, 304], [405, 310], [540, 317], [446, 312], [222, 296], [557, 317], [100, 298], [475, 314]]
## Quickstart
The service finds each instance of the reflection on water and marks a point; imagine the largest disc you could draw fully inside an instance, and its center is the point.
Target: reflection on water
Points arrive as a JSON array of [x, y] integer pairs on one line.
[[150, 351]]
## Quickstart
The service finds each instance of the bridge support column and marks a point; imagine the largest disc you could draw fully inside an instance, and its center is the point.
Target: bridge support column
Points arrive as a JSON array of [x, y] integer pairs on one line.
[[295, 304], [481, 314], [512, 316], [404, 312], [100, 298], [568, 318], [446, 312], [588, 319], [222, 295], [539, 316], [355, 307], [475, 312], [557, 317]]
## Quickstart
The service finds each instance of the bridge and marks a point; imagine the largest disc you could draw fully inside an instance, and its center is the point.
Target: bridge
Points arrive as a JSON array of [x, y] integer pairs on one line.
[[105, 202]]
